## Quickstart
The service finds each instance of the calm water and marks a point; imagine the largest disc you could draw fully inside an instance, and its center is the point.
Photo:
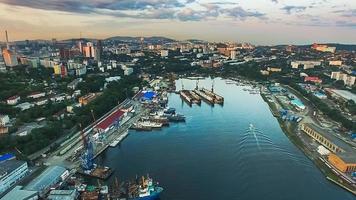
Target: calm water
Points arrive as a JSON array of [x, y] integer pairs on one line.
[[214, 156]]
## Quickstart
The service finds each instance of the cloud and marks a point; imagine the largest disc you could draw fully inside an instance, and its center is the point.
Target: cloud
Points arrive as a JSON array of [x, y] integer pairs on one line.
[[293, 9], [240, 13], [89, 6], [346, 13]]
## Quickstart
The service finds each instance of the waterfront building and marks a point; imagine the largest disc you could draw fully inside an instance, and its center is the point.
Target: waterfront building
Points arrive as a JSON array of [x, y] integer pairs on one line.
[[335, 62], [18, 193], [11, 171], [110, 121], [342, 156], [48, 178], [63, 195]]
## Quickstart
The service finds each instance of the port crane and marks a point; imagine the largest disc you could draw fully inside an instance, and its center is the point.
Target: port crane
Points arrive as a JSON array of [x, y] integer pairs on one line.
[[87, 158]]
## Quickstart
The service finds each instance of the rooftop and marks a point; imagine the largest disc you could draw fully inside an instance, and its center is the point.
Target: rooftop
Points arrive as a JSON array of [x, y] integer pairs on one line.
[[8, 166], [46, 178], [18, 193], [345, 94], [349, 154], [110, 119]]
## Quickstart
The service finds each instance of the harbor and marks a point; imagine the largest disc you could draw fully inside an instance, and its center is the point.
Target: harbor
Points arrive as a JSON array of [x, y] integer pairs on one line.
[[216, 144]]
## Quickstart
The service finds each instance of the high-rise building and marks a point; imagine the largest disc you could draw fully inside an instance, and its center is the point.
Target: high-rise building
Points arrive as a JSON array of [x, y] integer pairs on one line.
[[89, 50], [99, 50], [10, 58]]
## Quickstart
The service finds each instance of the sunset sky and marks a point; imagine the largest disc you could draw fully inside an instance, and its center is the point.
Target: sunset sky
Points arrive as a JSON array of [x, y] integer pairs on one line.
[[255, 21]]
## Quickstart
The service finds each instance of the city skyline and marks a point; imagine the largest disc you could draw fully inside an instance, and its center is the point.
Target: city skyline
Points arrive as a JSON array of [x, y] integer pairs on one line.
[[264, 22]]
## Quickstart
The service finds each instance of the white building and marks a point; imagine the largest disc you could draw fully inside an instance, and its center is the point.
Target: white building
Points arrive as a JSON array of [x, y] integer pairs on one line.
[[25, 106], [36, 95], [348, 79], [128, 71], [164, 53], [113, 78], [233, 54], [305, 64], [4, 119], [11, 171], [13, 100]]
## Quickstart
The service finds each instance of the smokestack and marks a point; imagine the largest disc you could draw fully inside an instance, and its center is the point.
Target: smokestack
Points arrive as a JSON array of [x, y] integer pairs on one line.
[[7, 40]]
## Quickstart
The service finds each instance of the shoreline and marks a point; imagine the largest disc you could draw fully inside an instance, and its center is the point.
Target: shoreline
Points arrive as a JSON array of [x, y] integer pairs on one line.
[[290, 131]]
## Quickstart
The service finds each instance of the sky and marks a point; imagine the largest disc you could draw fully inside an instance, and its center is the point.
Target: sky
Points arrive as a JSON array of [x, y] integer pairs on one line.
[[261, 22]]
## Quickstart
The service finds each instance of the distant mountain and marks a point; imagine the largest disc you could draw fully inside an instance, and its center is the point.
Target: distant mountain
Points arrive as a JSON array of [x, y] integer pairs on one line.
[[153, 40]]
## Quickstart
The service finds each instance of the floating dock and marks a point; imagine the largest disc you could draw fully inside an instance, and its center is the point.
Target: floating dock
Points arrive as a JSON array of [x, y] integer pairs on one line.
[[190, 97], [208, 99], [217, 98]]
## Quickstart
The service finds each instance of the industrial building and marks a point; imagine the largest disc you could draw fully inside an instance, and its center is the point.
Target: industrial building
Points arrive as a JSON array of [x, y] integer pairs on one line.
[[47, 179], [342, 156], [11, 171], [63, 195], [111, 120], [18, 193]]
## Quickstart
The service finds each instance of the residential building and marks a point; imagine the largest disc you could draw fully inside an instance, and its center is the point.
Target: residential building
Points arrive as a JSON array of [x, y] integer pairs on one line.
[[335, 62], [313, 79], [89, 50], [323, 48], [4, 119], [305, 64], [18, 193], [4, 130], [233, 54], [128, 71], [25, 106], [274, 69], [36, 95], [84, 100], [13, 100], [11, 171], [73, 85], [10, 58], [164, 53], [349, 80]]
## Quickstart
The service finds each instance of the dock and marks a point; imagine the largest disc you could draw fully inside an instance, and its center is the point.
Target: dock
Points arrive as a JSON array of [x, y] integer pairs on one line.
[[190, 97], [217, 98], [208, 99]]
